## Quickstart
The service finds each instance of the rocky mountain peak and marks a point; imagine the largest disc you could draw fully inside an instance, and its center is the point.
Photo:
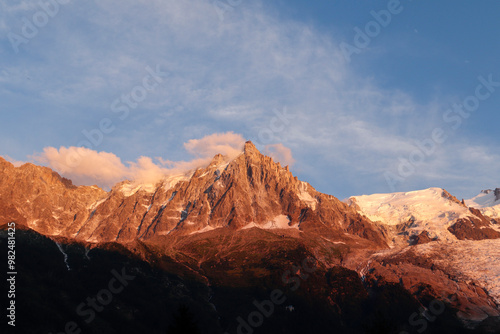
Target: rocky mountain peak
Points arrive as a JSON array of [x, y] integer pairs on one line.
[[3, 161], [217, 160], [4, 164], [245, 215], [447, 195], [249, 191], [250, 149], [41, 199]]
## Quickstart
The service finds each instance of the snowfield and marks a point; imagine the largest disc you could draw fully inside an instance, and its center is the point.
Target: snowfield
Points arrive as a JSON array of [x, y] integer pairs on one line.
[[423, 210], [433, 211]]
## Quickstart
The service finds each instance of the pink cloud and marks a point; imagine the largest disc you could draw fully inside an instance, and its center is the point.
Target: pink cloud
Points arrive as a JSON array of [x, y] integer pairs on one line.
[[84, 166], [280, 153], [89, 167], [229, 143]]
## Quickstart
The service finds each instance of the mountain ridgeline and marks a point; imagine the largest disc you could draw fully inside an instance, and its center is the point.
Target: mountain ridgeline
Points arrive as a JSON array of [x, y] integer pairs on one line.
[[251, 189], [243, 246]]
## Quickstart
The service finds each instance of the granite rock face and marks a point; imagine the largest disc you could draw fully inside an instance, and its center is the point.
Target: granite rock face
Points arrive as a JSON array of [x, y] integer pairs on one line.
[[43, 200]]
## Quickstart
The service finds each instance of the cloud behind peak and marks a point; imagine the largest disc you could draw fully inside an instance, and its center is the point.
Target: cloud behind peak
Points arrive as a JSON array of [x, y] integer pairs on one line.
[[88, 167]]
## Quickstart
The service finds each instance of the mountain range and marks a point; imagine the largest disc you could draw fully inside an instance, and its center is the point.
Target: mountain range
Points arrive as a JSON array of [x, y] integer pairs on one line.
[[216, 241]]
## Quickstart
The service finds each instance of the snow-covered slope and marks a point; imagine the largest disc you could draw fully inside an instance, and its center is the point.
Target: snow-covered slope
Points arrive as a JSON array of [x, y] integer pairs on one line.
[[432, 210], [488, 202]]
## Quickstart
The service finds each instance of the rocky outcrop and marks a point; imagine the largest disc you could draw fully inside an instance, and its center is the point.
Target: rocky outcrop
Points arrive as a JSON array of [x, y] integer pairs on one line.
[[474, 228], [452, 198], [471, 229], [421, 238], [41, 199]]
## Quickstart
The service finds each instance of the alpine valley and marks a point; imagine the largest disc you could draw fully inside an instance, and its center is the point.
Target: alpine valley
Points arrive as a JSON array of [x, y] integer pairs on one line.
[[243, 246]]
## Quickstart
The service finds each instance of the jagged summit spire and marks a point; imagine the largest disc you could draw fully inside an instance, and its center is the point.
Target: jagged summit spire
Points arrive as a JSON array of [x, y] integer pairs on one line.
[[250, 148], [217, 159]]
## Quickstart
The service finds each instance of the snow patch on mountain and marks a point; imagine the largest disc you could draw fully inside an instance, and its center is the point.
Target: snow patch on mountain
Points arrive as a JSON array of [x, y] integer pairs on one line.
[[93, 206], [249, 225], [203, 230], [278, 222], [130, 188], [223, 166], [64, 254], [306, 197]]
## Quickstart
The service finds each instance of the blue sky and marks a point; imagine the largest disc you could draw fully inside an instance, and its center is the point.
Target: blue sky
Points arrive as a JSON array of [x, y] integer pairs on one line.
[[271, 72]]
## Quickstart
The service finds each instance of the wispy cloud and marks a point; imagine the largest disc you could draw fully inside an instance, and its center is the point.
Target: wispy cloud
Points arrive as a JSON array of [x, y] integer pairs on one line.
[[223, 76], [280, 153]]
